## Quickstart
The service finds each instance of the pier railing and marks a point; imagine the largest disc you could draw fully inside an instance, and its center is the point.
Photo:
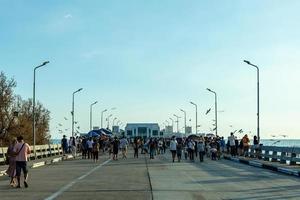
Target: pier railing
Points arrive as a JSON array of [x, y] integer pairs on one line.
[[284, 155], [42, 151]]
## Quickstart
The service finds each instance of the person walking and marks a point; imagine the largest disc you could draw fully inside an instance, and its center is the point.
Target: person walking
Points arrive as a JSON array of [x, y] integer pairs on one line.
[[11, 171], [173, 147], [21, 151], [123, 146]]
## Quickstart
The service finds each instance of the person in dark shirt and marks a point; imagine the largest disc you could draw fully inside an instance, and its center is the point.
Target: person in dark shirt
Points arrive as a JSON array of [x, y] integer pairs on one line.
[[116, 144], [64, 144]]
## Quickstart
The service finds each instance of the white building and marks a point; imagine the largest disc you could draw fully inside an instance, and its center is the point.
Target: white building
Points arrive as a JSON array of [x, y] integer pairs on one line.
[[143, 130]]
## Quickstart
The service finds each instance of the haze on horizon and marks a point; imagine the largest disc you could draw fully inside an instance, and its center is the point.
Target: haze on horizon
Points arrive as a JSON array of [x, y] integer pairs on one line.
[[151, 58]]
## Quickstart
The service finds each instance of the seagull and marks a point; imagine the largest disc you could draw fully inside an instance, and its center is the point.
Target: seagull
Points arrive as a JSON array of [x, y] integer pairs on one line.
[[241, 131], [59, 124], [273, 135], [230, 126], [208, 111], [65, 118], [284, 136]]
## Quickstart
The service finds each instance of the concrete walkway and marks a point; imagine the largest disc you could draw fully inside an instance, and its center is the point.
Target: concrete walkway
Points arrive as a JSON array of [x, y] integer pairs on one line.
[[161, 179]]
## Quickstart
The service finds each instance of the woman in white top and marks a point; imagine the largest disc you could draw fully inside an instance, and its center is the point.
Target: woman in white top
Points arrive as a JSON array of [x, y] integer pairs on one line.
[[173, 146]]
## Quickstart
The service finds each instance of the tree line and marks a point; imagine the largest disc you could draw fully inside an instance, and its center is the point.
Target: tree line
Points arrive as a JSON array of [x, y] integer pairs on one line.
[[16, 115]]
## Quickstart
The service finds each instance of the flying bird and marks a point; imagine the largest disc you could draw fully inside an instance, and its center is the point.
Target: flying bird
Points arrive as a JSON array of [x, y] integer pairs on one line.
[[230, 126], [59, 124], [241, 131], [284, 136], [208, 111], [273, 135], [65, 118]]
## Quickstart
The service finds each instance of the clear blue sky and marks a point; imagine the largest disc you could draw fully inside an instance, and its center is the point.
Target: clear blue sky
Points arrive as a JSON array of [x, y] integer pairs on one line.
[[150, 58]]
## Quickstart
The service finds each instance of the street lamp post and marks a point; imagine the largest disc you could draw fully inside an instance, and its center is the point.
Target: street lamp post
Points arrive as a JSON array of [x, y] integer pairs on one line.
[[33, 106], [177, 121], [103, 111], [73, 114], [249, 63], [91, 114], [184, 121], [196, 115], [107, 119], [172, 123], [114, 121], [168, 122], [216, 109]]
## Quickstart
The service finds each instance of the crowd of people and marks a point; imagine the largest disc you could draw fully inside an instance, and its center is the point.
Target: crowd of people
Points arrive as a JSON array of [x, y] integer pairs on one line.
[[90, 148]]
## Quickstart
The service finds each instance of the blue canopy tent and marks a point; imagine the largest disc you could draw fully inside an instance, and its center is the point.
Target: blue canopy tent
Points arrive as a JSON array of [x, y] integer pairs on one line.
[[93, 134]]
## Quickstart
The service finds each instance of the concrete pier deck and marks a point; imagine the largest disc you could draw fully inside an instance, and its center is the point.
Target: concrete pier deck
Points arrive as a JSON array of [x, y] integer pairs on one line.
[[153, 179]]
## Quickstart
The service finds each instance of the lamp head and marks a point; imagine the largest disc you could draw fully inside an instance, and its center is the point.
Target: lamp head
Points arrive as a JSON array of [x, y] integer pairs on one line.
[[246, 61], [45, 63], [208, 89]]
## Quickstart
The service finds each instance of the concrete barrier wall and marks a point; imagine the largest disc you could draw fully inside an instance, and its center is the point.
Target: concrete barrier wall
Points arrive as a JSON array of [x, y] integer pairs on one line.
[[285, 155], [42, 151]]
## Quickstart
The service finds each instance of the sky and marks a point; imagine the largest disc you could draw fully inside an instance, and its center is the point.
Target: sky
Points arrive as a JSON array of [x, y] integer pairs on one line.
[[148, 59]]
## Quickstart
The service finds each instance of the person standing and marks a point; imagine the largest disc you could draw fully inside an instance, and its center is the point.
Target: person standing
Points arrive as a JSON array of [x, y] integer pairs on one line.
[[231, 141], [95, 150], [21, 150], [173, 147], [90, 148], [115, 146], [64, 144], [11, 171], [246, 145], [191, 146], [179, 150], [151, 148], [136, 147], [123, 146], [201, 149]]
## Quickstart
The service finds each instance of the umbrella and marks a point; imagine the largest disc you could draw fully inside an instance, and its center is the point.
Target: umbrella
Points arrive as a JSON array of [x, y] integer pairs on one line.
[[194, 137]]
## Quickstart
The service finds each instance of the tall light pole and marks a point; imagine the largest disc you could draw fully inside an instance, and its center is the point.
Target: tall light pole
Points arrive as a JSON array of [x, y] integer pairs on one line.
[[177, 121], [172, 123], [196, 116], [168, 122], [73, 114], [107, 119], [91, 114], [33, 106], [114, 121], [184, 121], [216, 109], [249, 63], [103, 111]]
